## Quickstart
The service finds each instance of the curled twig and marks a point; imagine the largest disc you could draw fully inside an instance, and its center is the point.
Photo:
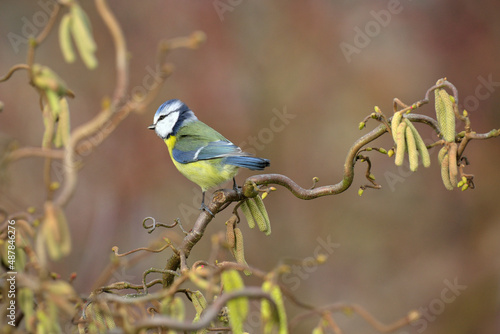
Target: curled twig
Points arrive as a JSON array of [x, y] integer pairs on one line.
[[369, 176], [155, 270], [115, 250], [127, 285], [50, 24], [191, 42], [154, 224], [14, 69]]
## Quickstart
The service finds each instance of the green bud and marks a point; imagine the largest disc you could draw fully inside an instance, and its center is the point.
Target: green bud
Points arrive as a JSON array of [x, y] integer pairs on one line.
[[238, 307]]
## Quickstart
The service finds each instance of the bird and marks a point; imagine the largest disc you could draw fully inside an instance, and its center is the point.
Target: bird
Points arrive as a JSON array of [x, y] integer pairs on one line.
[[199, 152]]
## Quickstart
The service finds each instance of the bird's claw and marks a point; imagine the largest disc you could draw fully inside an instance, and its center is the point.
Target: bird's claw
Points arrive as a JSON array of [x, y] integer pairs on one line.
[[206, 209]]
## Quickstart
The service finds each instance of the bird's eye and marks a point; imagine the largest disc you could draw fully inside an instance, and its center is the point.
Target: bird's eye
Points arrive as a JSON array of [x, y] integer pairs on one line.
[[161, 117]]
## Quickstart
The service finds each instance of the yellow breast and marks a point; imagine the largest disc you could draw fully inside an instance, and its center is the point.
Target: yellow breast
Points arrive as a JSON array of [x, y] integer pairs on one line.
[[205, 173]]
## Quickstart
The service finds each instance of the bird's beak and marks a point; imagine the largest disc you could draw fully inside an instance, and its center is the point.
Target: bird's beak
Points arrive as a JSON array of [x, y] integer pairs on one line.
[[151, 127]]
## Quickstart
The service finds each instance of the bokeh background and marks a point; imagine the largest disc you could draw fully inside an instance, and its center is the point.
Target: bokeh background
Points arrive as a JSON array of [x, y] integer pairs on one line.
[[396, 249]]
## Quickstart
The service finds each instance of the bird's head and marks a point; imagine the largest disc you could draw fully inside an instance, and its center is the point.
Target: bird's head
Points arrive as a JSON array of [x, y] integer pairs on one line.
[[170, 116]]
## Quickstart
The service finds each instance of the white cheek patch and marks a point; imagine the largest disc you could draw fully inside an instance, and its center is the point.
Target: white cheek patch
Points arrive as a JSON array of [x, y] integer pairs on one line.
[[165, 126]]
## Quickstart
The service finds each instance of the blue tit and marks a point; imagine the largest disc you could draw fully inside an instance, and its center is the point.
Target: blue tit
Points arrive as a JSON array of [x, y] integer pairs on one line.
[[199, 152]]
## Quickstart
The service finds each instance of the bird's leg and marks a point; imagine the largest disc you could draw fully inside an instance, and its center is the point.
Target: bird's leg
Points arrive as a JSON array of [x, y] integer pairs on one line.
[[204, 207], [235, 186]]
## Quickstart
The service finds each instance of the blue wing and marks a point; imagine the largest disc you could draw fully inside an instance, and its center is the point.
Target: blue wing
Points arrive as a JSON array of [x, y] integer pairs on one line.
[[213, 150], [232, 154]]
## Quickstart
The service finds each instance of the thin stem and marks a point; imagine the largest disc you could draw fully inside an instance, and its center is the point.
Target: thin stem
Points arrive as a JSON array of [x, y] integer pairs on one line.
[[52, 20], [122, 75], [28, 152], [14, 69], [103, 117], [367, 316]]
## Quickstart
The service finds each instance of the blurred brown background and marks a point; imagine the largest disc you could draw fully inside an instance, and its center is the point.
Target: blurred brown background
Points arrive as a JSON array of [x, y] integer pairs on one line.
[[396, 249]]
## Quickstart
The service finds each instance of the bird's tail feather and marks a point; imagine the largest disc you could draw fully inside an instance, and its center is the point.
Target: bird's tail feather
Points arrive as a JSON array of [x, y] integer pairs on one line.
[[252, 163]]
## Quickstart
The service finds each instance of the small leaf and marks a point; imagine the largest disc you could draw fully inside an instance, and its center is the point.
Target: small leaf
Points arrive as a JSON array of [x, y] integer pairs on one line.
[[422, 148], [200, 304], [412, 149], [400, 144], [452, 156], [260, 205], [239, 250], [54, 104], [445, 172], [173, 307], [65, 38], [82, 35], [442, 153], [257, 215], [396, 120], [46, 79], [230, 239], [55, 232], [238, 307], [266, 314], [100, 317], [63, 125], [444, 113], [318, 330], [26, 300], [246, 212]]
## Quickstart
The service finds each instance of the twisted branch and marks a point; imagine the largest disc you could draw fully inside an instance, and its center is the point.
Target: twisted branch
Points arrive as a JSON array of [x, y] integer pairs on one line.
[[224, 197], [208, 315]]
